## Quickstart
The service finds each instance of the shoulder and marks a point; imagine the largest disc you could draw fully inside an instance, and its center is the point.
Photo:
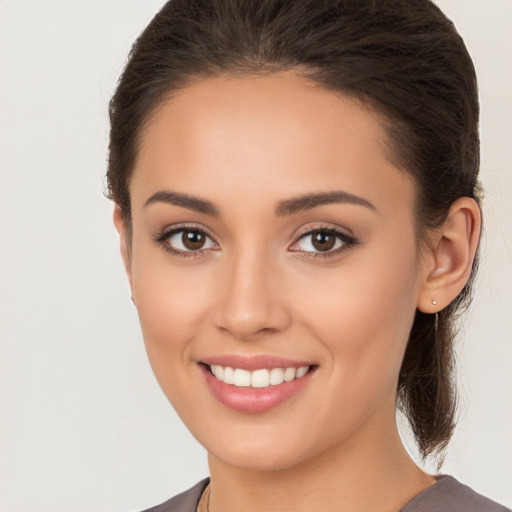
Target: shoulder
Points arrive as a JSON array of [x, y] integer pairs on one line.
[[449, 495], [185, 502]]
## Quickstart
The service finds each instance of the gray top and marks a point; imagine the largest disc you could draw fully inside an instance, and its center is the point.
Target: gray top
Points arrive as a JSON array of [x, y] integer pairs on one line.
[[446, 495]]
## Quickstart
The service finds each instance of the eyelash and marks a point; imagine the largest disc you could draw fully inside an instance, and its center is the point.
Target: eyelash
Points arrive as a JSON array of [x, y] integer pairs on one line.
[[163, 238], [348, 242]]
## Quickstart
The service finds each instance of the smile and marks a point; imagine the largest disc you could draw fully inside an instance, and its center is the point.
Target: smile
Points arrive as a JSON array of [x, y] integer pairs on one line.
[[261, 378], [256, 384]]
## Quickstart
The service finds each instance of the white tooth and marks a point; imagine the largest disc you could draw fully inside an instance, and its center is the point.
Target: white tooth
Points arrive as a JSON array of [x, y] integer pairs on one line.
[[242, 378], [260, 379], [289, 374], [213, 368], [229, 375], [276, 376], [302, 371], [219, 372]]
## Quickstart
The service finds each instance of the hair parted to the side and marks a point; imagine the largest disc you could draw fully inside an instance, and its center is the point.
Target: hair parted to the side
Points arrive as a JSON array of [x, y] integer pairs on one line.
[[402, 58]]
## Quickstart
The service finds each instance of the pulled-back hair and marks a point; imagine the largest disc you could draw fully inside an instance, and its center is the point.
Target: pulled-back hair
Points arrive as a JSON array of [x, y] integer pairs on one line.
[[402, 58]]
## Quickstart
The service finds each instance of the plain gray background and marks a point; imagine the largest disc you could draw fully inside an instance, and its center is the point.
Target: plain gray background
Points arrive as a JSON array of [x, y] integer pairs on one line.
[[83, 424]]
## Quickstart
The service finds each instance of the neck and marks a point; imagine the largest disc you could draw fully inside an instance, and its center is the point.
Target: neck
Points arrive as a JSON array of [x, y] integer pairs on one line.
[[373, 472]]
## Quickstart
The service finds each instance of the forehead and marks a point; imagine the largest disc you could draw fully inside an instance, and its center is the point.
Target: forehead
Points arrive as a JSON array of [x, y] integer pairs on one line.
[[260, 135]]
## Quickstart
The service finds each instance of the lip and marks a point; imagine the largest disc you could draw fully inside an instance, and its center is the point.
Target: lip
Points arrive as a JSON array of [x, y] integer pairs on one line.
[[255, 362], [254, 400]]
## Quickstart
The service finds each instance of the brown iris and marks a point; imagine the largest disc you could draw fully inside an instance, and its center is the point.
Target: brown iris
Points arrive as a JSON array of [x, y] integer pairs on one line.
[[323, 241], [193, 240]]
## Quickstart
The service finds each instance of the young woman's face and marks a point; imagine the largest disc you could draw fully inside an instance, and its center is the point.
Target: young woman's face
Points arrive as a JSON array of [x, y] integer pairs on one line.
[[272, 236]]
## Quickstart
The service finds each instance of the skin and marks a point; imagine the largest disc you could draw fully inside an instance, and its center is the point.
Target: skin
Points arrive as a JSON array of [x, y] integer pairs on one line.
[[246, 144]]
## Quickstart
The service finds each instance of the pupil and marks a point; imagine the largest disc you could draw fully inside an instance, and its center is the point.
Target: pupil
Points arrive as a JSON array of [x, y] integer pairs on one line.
[[193, 240], [323, 241]]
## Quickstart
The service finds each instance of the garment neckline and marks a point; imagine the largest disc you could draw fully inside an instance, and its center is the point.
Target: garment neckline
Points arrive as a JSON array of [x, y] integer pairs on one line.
[[439, 479]]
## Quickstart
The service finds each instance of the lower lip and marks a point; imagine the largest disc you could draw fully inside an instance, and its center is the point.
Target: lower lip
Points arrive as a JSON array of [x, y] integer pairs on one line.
[[253, 400]]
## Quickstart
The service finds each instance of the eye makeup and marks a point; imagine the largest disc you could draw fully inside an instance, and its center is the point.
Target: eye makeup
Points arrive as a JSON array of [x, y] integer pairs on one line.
[[191, 241], [329, 242]]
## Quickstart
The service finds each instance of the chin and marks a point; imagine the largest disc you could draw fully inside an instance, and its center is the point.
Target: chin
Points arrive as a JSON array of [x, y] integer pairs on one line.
[[260, 450], [257, 460]]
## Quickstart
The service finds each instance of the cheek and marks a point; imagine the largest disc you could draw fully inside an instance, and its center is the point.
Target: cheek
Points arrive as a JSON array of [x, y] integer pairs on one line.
[[362, 315], [363, 312], [171, 301]]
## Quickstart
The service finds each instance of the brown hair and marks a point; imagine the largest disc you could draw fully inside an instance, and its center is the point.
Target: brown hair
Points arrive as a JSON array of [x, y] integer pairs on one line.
[[403, 58]]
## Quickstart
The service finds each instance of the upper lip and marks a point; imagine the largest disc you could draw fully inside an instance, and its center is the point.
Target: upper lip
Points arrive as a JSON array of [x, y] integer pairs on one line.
[[255, 362]]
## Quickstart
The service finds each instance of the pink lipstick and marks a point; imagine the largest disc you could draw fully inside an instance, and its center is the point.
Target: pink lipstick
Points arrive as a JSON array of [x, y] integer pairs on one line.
[[255, 384]]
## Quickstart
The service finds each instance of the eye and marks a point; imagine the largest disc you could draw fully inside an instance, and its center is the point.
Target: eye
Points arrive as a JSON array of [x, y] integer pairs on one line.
[[186, 240], [323, 242]]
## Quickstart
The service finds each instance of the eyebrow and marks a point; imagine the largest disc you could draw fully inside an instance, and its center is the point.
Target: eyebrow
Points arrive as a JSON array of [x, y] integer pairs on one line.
[[287, 207], [185, 201], [309, 201]]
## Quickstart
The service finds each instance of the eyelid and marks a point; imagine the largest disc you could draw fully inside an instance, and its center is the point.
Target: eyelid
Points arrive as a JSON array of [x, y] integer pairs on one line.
[[306, 230], [348, 241], [165, 234], [347, 238]]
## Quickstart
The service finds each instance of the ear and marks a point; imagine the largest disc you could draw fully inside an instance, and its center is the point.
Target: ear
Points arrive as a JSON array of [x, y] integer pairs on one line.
[[449, 258], [120, 224]]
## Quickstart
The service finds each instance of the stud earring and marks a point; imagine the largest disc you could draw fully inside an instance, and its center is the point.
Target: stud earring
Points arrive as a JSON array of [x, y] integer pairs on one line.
[[434, 302]]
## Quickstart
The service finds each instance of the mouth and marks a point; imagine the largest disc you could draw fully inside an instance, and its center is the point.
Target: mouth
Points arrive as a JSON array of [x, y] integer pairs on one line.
[[260, 378], [253, 387]]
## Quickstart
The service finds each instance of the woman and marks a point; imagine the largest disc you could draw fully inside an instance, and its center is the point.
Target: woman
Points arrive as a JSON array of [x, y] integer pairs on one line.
[[297, 199]]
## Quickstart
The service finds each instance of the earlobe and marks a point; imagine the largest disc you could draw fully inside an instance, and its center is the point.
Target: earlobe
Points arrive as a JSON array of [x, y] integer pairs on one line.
[[452, 254], [120, 224]]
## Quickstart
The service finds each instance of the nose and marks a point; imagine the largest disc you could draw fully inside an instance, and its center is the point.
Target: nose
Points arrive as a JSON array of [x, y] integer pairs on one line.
[[251, 301]]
